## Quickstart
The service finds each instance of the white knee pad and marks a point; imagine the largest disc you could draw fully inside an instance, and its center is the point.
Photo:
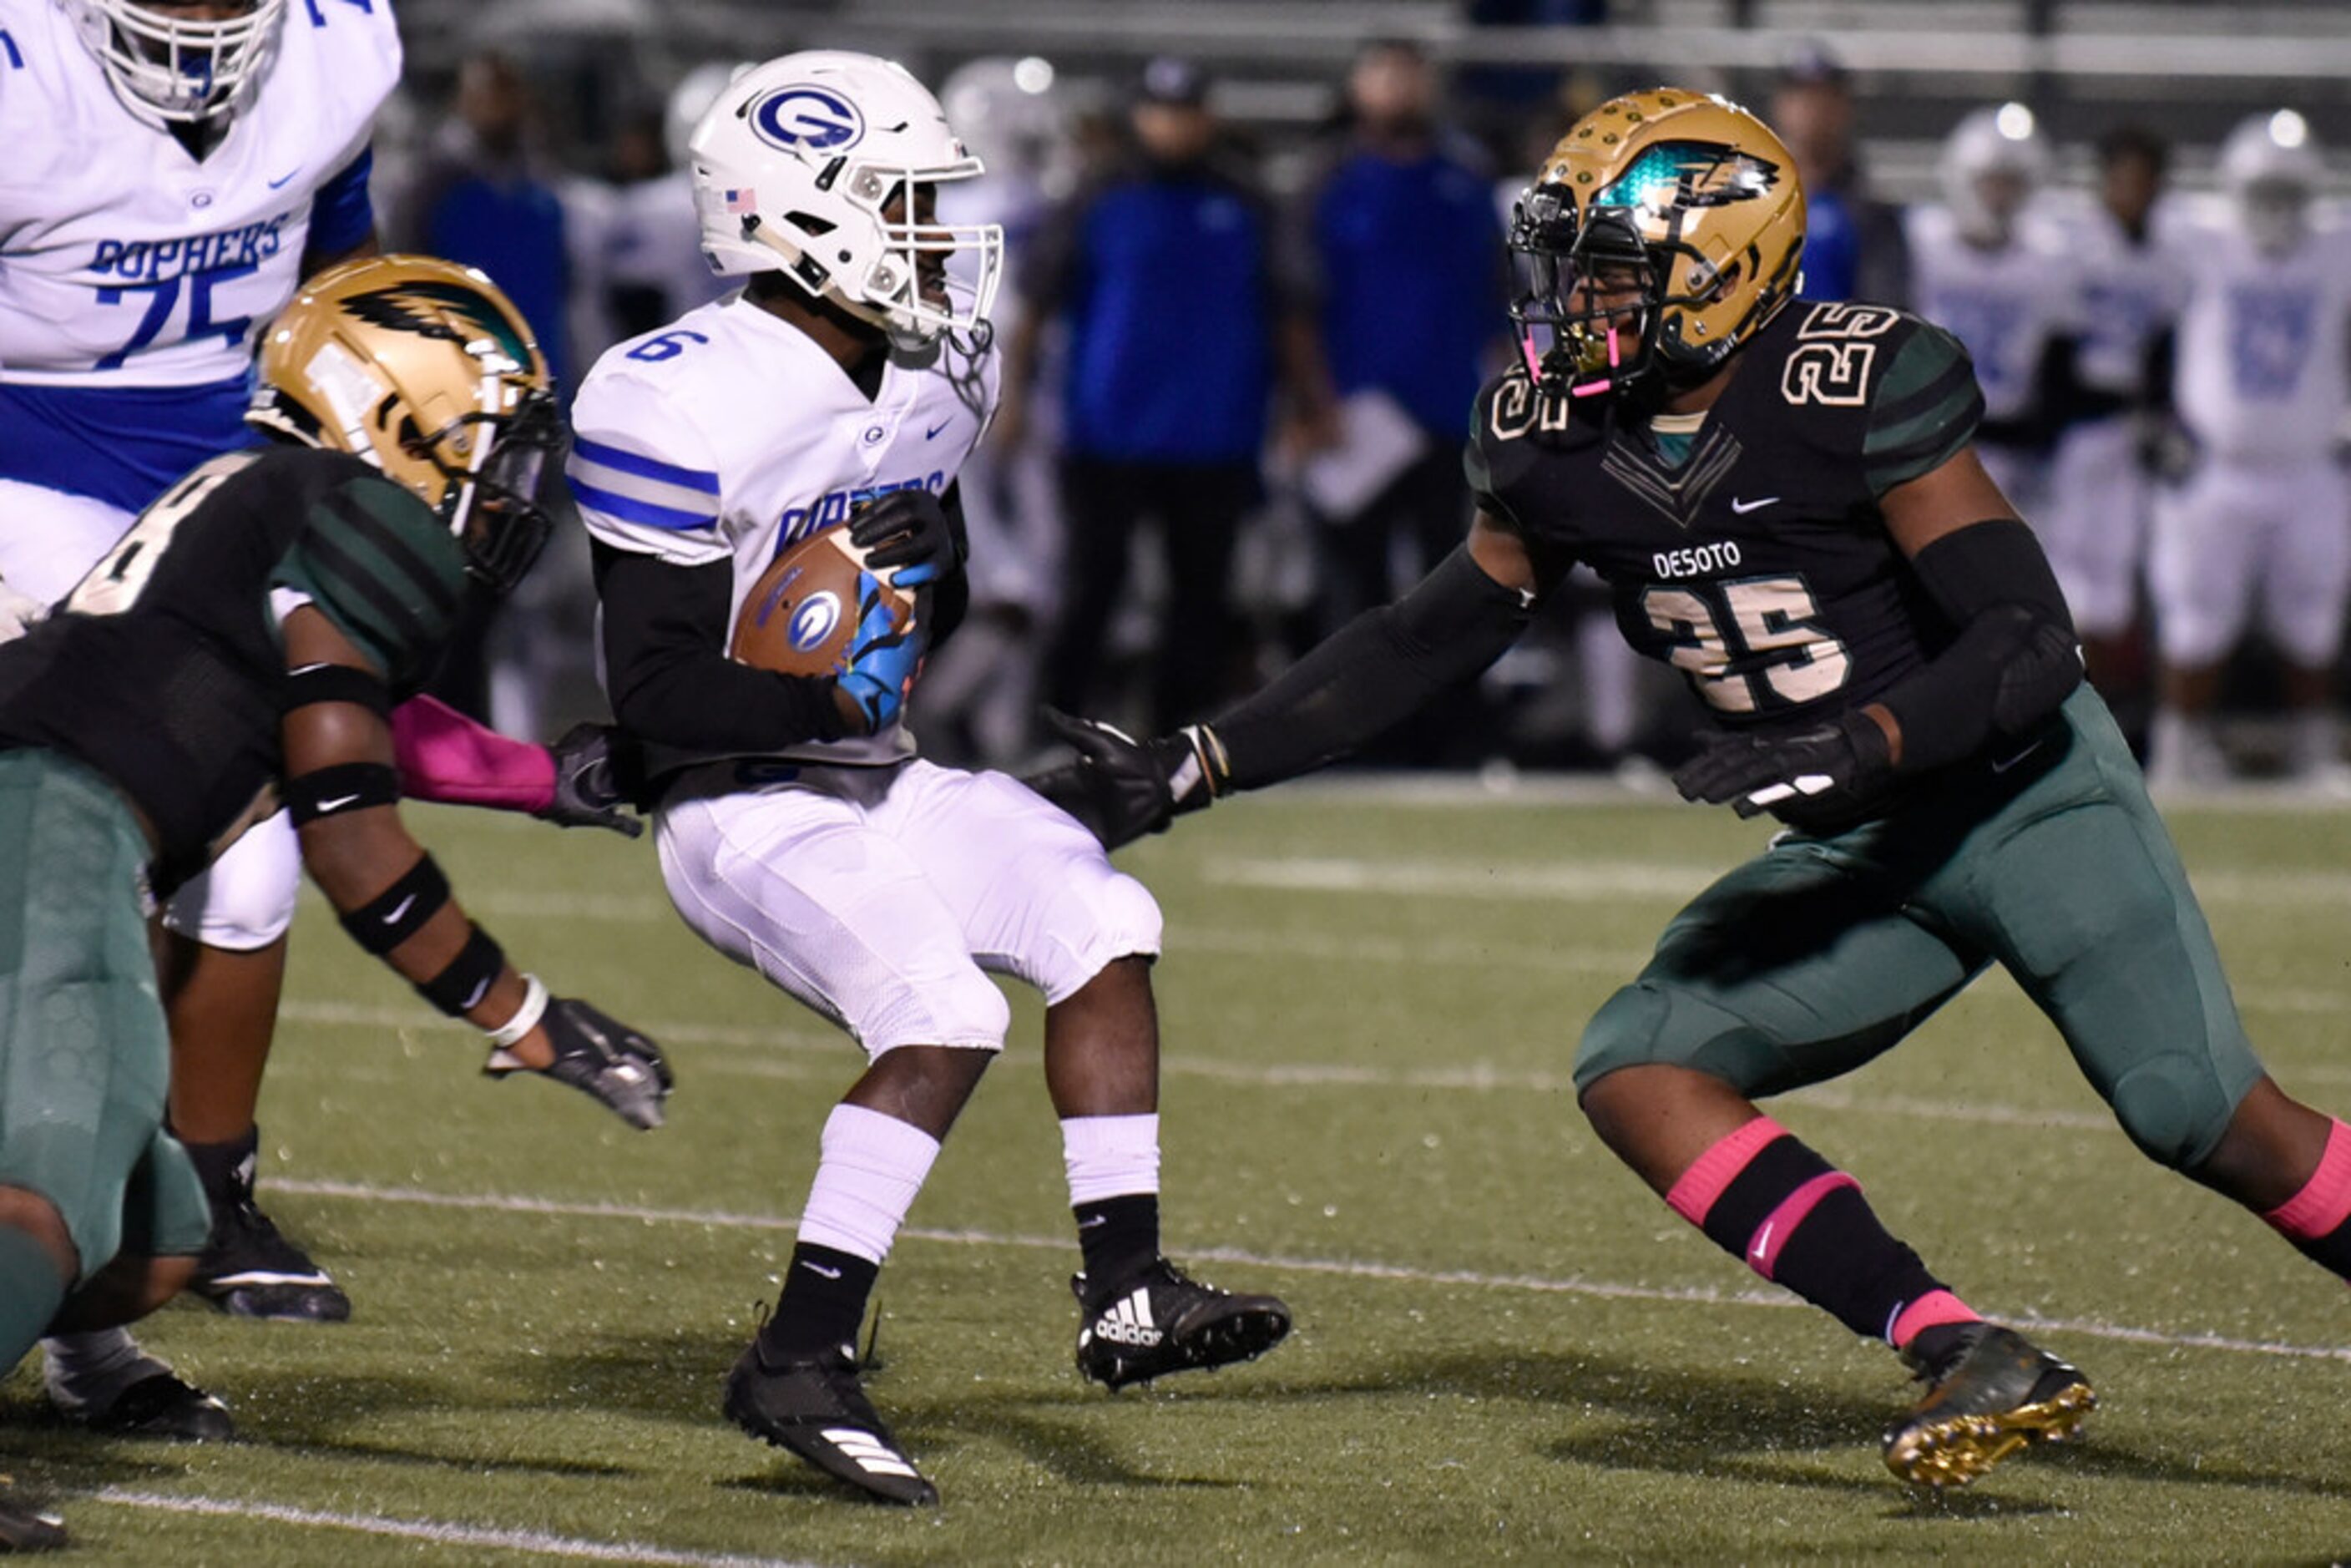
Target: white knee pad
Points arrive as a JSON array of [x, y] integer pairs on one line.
[[245, 899]]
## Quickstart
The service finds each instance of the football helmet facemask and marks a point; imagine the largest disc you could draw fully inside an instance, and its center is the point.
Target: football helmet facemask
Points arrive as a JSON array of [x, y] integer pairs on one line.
[[1663, 230], [423, 369], [2271, 172], [821, 165], [169, 68]]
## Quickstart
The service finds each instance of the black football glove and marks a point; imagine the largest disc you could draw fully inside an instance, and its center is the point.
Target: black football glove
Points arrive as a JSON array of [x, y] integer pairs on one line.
[[587, 786], [600, 1055], [1121, 788], [907, 538], [1846, 755]]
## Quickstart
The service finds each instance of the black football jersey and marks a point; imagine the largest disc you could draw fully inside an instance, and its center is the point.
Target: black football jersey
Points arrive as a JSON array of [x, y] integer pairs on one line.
[[163, 669], [1758, 564]]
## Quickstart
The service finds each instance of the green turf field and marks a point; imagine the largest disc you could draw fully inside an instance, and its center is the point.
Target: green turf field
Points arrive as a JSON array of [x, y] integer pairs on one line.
[[1506, 1348]]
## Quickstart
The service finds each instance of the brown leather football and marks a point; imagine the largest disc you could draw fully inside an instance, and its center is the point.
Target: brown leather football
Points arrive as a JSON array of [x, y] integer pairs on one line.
[[801, 613]]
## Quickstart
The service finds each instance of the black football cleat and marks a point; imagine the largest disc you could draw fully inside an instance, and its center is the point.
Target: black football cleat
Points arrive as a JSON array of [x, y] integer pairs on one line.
[[1160, 1321], [249, 1269], [815, 1408], [160, 1405], [24, 1528], [1994, 1393]]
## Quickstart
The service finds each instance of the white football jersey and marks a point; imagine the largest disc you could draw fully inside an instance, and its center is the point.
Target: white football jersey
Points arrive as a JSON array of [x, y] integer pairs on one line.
[[2131, 291], [730, 434], [2261, 345], [2004, 305], [124, 261]]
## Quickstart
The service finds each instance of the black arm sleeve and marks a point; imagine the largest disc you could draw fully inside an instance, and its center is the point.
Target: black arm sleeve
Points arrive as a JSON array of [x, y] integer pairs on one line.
[[1373, 673], [2014, 660], [667, 668]]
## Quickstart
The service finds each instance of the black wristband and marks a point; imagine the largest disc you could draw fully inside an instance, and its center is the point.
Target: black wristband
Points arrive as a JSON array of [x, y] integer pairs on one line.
[[334, 683], [400, 911], [345, 786], [459, 987]]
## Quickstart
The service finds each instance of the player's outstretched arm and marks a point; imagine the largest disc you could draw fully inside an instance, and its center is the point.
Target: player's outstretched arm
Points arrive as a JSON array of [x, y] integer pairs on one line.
[[343, 791], [2014, 661], [446, 757], [1370, 675]]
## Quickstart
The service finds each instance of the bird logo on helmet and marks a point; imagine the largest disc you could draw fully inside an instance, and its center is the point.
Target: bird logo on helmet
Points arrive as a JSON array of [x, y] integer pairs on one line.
[[1663, 231], [820, 165], [424, 370]]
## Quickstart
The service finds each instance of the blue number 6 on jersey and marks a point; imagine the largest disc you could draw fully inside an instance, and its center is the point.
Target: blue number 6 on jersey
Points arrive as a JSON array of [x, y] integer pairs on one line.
[[665, 345]]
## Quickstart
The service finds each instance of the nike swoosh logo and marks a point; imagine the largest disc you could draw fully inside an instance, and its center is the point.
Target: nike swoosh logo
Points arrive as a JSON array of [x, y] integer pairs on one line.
[[1743, 508], [1762, 1242], [932, 433], [336, 804], [279, 182], [1090, 1224], [399, 909], [2010, 762], [821, 1268]]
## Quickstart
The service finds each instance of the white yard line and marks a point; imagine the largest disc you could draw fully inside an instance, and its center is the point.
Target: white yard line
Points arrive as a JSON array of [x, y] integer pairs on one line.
[[1353, 1269], [1478, 1078], [437, 1531]]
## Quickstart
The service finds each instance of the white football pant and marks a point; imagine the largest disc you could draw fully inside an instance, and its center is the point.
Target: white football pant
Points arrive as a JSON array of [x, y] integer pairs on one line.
[[884, 897], [2272, 530]]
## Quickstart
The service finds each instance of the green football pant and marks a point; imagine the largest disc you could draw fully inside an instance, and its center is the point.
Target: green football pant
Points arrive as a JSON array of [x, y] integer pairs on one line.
[[1820, 953], [84, 1053]]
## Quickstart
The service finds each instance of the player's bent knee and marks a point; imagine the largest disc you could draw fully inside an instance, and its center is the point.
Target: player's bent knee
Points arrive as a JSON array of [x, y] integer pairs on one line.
[[966, 1013], [38, 1217], [124, 1291], [2173, 1109]]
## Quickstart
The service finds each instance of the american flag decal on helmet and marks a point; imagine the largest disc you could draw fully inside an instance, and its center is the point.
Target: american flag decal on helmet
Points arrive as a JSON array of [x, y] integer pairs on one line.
[[744, 201]]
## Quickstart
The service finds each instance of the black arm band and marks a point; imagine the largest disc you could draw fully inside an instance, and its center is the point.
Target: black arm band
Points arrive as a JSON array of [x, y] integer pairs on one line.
[[400, 911], [334, 683], [1373, 673], [459, 988], [2014, 661], [346, 787]]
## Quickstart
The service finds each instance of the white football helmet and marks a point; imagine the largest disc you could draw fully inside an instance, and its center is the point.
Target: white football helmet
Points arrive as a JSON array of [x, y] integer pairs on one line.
[[795, 167], [690, 99], [1990, 166], [2271, 169], [1006, 111], [172, 69]]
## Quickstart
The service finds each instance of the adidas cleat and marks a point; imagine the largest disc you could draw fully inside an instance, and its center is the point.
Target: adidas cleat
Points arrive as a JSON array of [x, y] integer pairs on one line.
[[816, 1409], [1990, 1396], [1162, 1320], [250, 1271]]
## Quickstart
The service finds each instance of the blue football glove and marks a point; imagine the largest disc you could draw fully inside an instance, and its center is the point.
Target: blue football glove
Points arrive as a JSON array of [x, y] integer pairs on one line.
[[908, 537], [883, 661]]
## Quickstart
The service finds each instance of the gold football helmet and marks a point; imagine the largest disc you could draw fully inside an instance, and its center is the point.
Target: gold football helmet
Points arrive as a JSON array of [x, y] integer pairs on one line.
[[424, 370], [1663, 230]]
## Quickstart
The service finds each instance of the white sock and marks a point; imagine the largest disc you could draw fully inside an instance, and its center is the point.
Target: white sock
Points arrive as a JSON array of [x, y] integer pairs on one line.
[[1110, 1157], [871, 1169]]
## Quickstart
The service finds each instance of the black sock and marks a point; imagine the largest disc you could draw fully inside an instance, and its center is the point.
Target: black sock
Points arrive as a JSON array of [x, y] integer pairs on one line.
[[1118, 1235], [824, 1302], [227, 1169], [1800, 1222]]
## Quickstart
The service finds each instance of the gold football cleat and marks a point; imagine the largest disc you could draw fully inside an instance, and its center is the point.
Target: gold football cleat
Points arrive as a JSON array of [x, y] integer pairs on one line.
[[1994, 1396]]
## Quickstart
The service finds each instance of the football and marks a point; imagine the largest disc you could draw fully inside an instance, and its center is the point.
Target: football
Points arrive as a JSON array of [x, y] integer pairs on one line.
[[801, 613]]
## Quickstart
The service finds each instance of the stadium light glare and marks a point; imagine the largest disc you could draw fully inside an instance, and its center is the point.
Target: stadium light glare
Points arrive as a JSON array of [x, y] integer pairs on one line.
[[2289, 129], [1033, 75], [2014, 122]]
